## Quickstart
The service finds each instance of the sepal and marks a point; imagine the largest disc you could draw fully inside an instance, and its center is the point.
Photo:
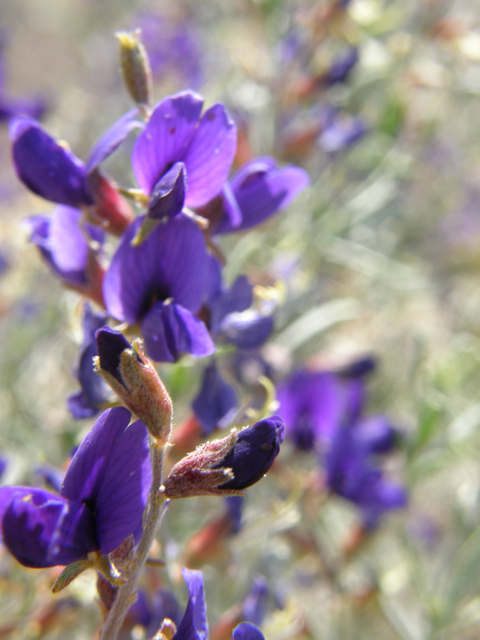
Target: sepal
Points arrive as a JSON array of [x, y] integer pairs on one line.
[[129, 373]]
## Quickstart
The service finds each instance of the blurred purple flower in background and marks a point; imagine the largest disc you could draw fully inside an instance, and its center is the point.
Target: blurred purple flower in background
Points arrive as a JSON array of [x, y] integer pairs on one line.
[[216, 402], [353, 473], [101, 502]]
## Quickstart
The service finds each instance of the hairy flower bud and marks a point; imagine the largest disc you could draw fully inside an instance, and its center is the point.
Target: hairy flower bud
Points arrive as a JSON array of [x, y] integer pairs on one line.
[[135, 67], [229, 465], [134, 379]]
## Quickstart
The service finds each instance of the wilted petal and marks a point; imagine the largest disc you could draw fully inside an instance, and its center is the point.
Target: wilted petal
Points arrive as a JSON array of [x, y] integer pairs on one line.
[[170, 330], [46, 167], [215, 401], [168, 195], [166, 137], [210, 155], [171, 263], [44, 530], [112, 139]]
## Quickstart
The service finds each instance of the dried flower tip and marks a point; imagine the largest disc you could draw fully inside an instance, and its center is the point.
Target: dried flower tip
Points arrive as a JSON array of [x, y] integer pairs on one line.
[[137, 75], [134, 379]]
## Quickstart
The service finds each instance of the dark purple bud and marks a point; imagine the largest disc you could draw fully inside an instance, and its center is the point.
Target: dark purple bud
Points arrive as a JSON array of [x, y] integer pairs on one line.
[[168, 195], [110, 345], [253, 453], [134, 379]]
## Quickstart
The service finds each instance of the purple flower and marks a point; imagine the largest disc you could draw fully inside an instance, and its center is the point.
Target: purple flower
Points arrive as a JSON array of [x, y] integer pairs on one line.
[[315, 404], [341, 67], [216, 401], [194, 625], [254, 453], [183, 158], [53, 172], [64, 247], [258, 190], [100, 504], [94, 392], [353, 475], [254, 605], [161, 284], [230, 318]]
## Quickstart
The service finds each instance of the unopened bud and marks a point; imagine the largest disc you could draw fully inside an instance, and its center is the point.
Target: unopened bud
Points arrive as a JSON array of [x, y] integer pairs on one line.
[[227, 466], [129, 373], [135, 68]]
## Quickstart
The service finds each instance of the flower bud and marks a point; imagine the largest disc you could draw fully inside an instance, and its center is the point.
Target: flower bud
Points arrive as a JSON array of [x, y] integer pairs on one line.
[[134, 379], [227, 466], [135, 67]]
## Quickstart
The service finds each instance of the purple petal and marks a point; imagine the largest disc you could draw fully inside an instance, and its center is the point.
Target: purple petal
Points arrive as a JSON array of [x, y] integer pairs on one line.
[[193, 625], [112, 139], [261, 189], [41, 529], [168, 194], [80, 406], [47, 168], [376, 434], [61, 243], [170, 330], [247, 631], [313, 405], [210, 155], [124, 490], [166, 137], [237, 299], [231, 209], [171, 263], [215, 402], [87, 467], [254, 605], [110, 472], [248, 330]]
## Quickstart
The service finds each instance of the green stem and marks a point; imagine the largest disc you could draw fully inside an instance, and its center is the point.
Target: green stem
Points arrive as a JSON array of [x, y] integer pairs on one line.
[[126, 594]]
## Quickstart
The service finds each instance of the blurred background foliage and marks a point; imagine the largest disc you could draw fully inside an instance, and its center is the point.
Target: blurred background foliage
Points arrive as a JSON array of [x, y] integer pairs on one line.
[[380, 256]]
